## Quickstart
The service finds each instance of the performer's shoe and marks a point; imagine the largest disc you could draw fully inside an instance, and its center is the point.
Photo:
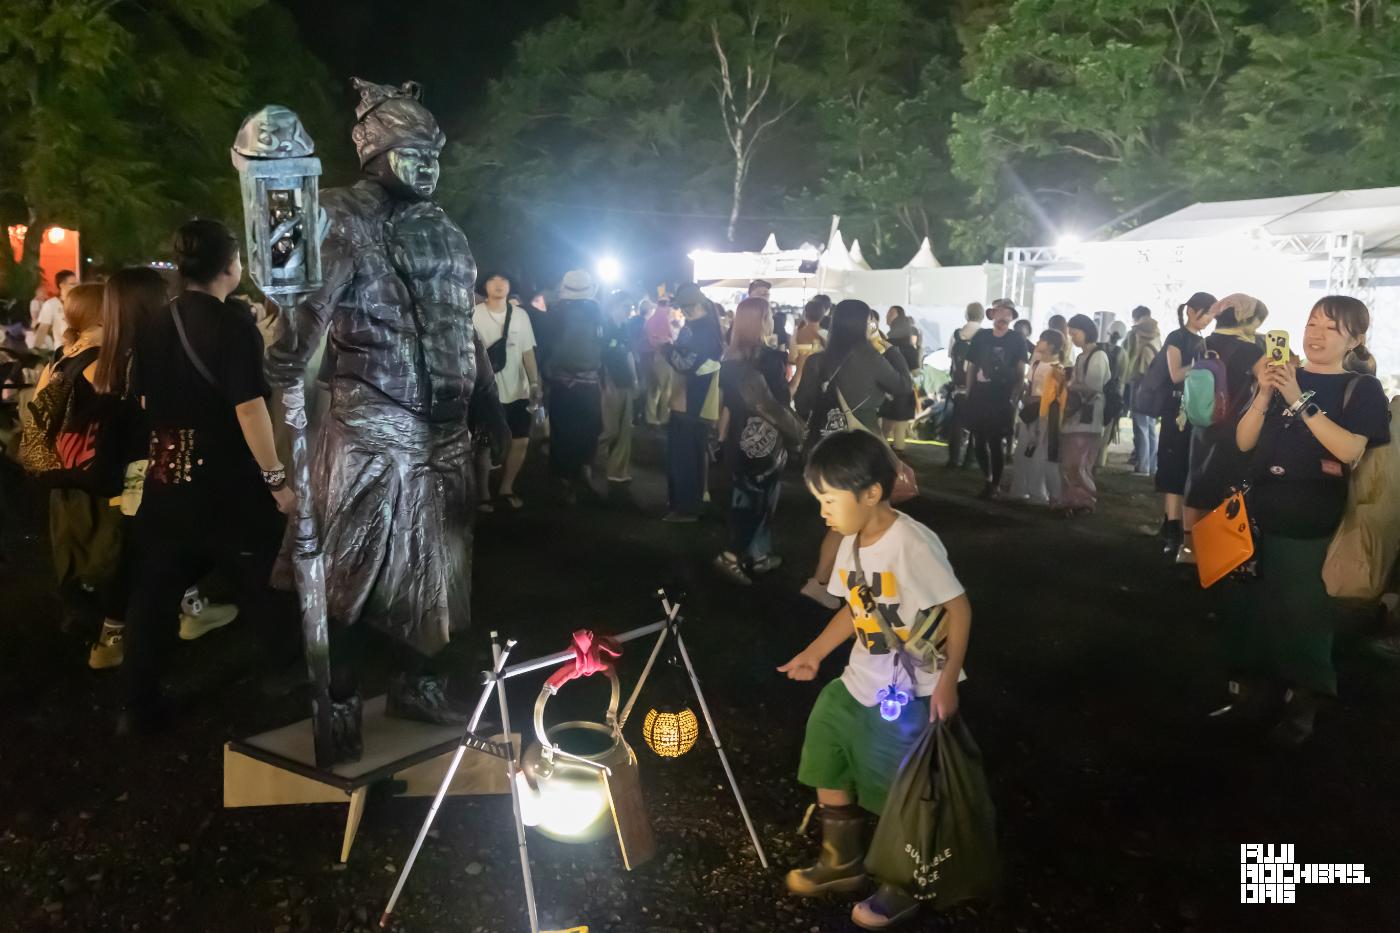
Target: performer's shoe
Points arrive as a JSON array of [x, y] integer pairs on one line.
[[346, 719], [422, 699]]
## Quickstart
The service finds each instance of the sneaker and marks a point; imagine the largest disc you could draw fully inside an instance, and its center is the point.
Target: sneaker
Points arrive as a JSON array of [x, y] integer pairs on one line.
[[886, 908], [199, 617], [107, 651], [680, 518], [727, 564], [767, 564], [1185, 556], [817, 593]]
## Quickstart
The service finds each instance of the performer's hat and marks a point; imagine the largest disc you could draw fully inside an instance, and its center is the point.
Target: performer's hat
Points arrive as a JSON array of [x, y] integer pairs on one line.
[[392, 118]]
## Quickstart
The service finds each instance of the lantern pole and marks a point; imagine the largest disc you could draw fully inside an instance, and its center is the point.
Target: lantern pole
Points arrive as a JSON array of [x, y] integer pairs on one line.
[[714, 737]]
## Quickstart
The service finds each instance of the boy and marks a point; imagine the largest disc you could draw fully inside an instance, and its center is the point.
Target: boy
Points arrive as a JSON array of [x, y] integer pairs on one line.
[[850, 753]]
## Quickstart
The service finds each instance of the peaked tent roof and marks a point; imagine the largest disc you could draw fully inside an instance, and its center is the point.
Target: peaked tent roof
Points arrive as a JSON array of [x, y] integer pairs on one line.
[[924, 258], [857, 259], [1373, 212]]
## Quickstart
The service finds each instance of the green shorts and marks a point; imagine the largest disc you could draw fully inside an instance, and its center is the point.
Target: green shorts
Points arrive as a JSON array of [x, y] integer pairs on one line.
[[848, 746]]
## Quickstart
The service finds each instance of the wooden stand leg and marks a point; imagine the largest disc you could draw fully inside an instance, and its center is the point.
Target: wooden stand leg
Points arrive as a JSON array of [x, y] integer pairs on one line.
[[352, 820]]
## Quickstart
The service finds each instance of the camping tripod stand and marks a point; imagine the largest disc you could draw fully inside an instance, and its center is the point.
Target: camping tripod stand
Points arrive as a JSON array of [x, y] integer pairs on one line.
[[667, 627]]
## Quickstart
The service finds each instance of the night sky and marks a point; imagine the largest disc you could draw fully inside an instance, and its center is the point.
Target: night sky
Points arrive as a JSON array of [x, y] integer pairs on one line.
[[452, 47]]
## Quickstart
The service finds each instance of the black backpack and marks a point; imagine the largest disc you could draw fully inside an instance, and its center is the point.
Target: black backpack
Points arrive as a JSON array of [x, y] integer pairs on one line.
[[1113, 389]]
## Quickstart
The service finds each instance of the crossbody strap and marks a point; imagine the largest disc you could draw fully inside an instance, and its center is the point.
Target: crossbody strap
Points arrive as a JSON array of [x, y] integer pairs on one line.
[[878, 611], [193, 357]]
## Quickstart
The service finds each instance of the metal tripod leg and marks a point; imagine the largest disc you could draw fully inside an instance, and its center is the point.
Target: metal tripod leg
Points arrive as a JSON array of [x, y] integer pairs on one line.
[[492, 680], [723, 758], [515, 794]]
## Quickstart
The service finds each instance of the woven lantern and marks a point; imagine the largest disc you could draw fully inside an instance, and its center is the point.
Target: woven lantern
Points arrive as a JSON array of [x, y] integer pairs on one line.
[[670, 731]]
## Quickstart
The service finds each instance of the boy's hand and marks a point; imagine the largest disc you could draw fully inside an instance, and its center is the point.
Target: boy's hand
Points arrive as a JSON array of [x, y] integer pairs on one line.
[[944, 702], [802, 667]]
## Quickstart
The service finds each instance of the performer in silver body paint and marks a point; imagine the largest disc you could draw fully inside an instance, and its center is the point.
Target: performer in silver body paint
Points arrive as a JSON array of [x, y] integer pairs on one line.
[[392, 476]]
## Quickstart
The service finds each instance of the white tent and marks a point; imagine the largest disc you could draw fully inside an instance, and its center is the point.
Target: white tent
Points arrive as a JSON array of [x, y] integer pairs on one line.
[[935, 296], [1286, 251], [857, 259]]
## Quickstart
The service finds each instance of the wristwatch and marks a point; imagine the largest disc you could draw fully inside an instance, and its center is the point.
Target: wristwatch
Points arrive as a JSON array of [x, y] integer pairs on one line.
[[1303, 400], [1310, 410]]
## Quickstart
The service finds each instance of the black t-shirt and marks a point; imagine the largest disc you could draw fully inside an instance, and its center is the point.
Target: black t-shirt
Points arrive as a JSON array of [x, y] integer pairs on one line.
[[1301, 489], [996, 359], [1239, 357], [617, 351], [1189, 344], [196, 440]]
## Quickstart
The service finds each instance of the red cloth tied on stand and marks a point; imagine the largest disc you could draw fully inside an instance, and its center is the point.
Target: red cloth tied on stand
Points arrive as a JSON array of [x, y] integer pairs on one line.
[[593, 654]]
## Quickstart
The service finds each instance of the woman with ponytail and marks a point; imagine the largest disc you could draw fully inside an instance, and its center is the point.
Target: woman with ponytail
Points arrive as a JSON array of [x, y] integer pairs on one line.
[[1174, 442]]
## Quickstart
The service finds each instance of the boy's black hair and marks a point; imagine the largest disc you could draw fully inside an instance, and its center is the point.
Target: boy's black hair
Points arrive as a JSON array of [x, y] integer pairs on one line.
[[852, 461]]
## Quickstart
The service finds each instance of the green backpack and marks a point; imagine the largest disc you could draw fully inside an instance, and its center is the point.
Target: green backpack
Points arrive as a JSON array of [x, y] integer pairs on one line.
[[1203, 398]]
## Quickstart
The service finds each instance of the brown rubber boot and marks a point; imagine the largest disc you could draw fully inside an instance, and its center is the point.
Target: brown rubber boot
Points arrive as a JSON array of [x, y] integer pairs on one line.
[[841, 866]]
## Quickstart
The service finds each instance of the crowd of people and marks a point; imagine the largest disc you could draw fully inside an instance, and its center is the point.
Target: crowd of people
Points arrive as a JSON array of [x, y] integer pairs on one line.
[[152, 425]]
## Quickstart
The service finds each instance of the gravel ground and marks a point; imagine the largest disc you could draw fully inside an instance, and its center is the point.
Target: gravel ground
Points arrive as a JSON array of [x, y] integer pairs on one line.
[[1090, 672]]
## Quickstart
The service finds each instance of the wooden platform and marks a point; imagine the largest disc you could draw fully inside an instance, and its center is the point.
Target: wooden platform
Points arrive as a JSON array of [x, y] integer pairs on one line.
[[278, 768]]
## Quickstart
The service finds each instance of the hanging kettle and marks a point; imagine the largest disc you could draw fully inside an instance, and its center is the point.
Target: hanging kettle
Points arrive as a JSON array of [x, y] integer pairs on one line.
[[561, 780]]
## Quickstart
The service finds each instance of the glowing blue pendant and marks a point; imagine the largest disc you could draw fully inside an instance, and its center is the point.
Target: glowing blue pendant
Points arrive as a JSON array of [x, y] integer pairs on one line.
[[892, 702]]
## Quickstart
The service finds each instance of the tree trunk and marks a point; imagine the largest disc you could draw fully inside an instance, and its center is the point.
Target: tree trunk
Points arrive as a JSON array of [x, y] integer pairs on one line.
[[738, 195]]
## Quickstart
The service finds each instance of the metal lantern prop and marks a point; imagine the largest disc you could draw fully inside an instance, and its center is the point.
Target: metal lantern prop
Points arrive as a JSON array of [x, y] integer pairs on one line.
[[563, 792], [282, 223], [281, 206]]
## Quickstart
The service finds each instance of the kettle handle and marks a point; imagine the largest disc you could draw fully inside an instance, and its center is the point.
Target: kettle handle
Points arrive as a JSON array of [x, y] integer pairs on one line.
[[548, 690]]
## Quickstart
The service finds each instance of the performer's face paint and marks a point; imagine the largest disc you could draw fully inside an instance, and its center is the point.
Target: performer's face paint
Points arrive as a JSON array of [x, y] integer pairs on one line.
[[416, 170]]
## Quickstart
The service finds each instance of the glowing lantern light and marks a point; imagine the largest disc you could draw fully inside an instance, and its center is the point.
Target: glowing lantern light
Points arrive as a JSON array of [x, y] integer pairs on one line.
[[670, 732], [56, 235]]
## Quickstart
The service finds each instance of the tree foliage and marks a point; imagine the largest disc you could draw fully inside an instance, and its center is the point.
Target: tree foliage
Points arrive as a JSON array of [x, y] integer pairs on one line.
[[116, 116], [975, 122]]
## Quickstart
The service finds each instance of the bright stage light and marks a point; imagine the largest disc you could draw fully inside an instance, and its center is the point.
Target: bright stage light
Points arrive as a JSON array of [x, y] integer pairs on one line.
[[1068, 242], [609, 270]]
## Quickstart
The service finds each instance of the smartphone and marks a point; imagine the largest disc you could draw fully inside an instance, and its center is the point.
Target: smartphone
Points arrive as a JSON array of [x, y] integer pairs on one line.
[[1276, 346]]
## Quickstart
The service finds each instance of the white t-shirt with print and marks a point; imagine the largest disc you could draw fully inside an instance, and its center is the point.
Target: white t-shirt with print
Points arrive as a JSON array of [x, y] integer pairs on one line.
[[908, 569], [52, 314], [512, 382]]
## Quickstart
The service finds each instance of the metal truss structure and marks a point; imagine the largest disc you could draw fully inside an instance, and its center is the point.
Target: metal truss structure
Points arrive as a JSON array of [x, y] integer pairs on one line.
[[1349, 271]]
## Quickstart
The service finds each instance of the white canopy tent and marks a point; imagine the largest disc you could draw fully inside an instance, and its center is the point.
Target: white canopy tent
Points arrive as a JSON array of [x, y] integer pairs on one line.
[[1286, 251], [935, 296]]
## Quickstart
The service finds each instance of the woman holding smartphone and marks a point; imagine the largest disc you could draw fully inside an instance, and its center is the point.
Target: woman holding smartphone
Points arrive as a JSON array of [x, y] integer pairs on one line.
[[1307, 427]]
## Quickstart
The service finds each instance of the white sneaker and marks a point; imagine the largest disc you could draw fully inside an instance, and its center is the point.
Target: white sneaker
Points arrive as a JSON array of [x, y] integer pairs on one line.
[[817, 593], [199, 617]]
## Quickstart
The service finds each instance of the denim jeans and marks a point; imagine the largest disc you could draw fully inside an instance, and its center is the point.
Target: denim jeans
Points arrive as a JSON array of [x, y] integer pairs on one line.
[[752, 505], [1145, 443]]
